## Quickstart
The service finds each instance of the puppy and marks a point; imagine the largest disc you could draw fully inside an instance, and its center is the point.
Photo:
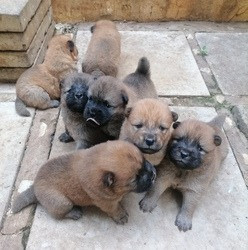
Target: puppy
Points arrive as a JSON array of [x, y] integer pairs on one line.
[[39, 86], [148, 125], [73, 99], [90, 177], [109, 98], [103, 54], [195, 153]]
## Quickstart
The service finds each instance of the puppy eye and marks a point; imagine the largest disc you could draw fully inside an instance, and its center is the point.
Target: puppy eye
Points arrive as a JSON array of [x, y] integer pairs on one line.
[[107, 104], [200, 148], [162, 128], [140, 125], [90, 98]]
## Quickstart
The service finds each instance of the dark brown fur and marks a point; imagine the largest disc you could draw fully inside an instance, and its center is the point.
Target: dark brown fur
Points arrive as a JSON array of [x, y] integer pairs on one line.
[[103, 54], [191, 183], [39, 86]]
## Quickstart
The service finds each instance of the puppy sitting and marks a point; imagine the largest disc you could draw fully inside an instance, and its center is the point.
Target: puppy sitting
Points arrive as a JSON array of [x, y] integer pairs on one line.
[[39, 86], [196, 151], [89, 177], [148, 126], [74, 98], [103, 54], [109, 98]]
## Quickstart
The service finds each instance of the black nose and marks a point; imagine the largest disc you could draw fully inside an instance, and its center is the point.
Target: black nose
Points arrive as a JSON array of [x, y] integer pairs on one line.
[[184, 154], [78, 96]]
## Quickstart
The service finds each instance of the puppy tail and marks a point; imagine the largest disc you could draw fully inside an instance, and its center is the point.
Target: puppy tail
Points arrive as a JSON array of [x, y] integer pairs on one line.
[[218, 121], [24, 199], [143, 67], [21, 107]]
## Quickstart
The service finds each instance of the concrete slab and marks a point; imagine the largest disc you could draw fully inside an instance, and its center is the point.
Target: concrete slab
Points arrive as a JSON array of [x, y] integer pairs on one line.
[[219, 222], [173, 67], [15, 14], [240, 114], [14, 133], [12, 74], [26, 59], [227, 57], [22, 40]]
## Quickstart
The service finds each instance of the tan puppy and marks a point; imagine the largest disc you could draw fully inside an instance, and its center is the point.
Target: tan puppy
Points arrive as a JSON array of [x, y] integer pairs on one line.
[[39, 86], [103, 54], [148, 126], [194, 156], [95, 176]]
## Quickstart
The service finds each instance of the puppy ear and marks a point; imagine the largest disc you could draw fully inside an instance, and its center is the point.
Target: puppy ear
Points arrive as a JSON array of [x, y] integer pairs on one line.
[[92, 28], [217, 140], [176, 124], [70, 45], [108, 179], [128, 112], [174, 116], [124, 97]]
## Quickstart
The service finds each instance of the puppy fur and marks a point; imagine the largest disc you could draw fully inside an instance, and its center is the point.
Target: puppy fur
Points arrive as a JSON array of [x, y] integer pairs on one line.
[[109, 98], [195, 153], [89, 177], [73, 99], [39, 86], [148, 125], [103, 53]]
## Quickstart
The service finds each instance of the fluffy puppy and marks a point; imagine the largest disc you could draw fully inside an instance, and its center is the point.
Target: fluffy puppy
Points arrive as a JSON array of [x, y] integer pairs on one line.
[[103, 54], [39, 86], [95, 176], [195, 153], [73, 99], [109, 98], [148, 126]]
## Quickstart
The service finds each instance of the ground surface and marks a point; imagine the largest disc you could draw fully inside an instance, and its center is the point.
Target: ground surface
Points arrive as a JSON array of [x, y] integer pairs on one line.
[[199, 68]]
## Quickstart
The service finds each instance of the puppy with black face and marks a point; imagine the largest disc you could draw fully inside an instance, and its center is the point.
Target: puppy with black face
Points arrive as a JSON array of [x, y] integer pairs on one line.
[[195, 153], [95, 176], [74, 98], [148, 125]]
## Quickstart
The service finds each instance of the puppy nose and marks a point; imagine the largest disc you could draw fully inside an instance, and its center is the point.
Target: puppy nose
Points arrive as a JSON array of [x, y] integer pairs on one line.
[[184, 154], [149, 141], [78, 95]]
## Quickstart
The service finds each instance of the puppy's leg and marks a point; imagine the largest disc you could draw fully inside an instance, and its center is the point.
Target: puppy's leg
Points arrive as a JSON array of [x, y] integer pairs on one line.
[[75, 214], [37, 97], [184, 217], [149, 202], [55, 203], [115, 211], [65, 137]]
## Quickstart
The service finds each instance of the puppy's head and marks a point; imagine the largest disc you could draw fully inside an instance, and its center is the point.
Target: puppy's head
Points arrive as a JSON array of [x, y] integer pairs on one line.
[[74, 91], [107, 99], [103, 24], [124, 169], [148, 125], [62, 44], [192, 144]]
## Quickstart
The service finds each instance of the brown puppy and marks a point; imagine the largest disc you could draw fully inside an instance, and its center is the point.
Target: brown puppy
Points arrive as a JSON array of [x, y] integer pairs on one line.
[[39, 86], [73, 99], [148, 126], [103, 54], [95, 176], [195, 153]]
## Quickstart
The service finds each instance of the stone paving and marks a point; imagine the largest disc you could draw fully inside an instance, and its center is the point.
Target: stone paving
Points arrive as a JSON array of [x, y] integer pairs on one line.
[[193, 84]]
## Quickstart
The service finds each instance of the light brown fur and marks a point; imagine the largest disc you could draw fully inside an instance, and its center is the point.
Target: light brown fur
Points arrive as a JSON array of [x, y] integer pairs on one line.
[[95, 176], [39, 86], [156, 119], [103, 53], [191, 183]]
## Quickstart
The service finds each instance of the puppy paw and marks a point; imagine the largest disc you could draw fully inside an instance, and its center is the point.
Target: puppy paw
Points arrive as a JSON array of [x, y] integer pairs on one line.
[[183, 223], [75, 214], [54, 104], [147, 205], [122, 218], [65, 137]]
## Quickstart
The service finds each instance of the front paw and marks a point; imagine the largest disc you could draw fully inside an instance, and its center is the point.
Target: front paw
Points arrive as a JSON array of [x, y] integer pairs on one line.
[[147, 205], [183, 222], [122, 218], [65, 137]]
